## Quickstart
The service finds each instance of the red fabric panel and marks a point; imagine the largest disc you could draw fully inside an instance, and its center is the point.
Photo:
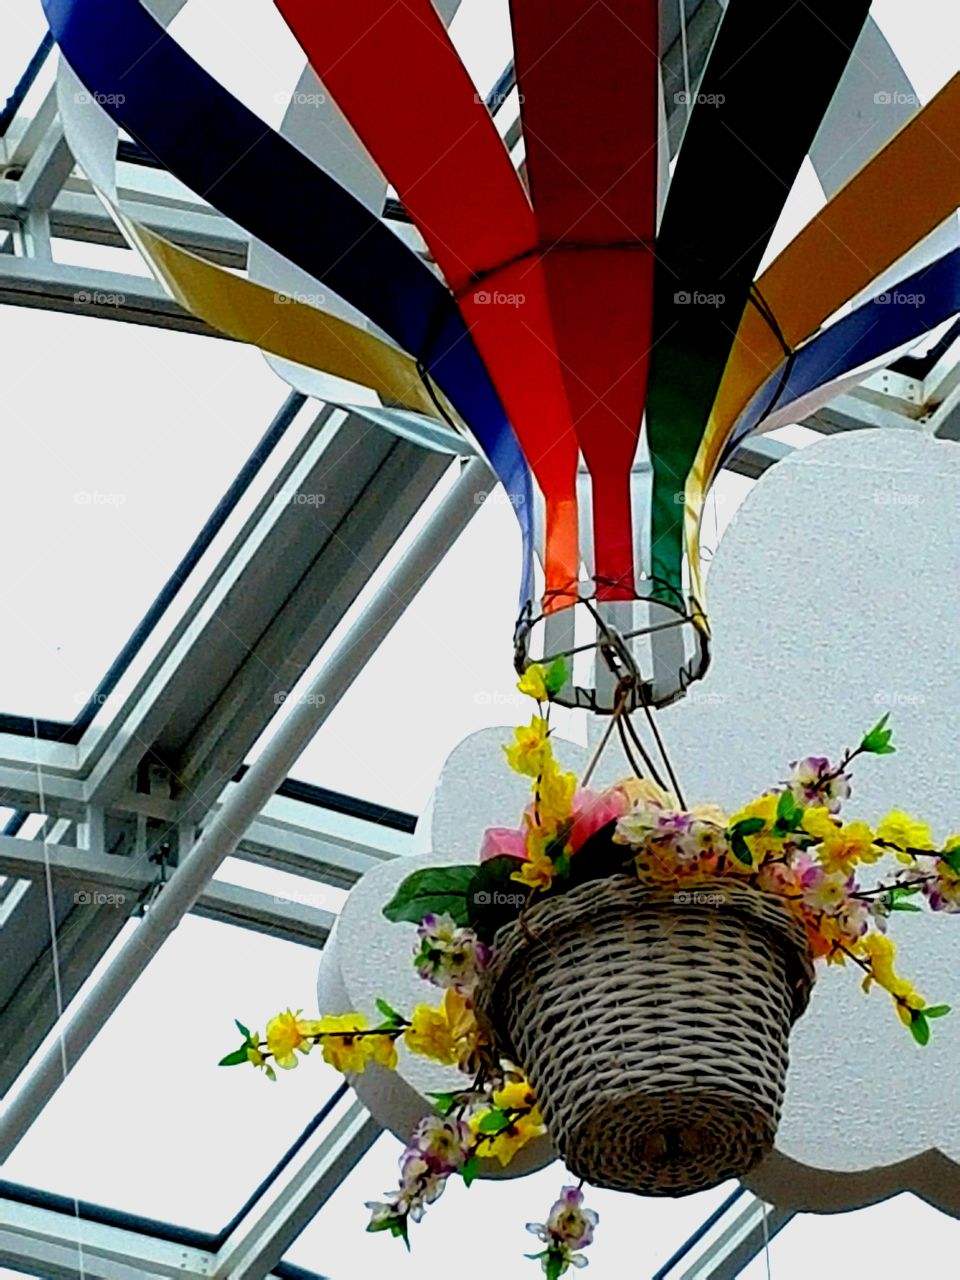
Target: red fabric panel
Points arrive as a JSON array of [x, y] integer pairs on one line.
[[398, 79], [588, 76]]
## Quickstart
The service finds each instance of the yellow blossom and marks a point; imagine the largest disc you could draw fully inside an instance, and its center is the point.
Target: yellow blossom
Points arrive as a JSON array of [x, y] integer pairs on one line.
[[536, 873], [530, 748], [340, 1049], [900, 829], [641, 793], [516, 1095], [504, 1144], [555, 794], [447, 1034], [255, 1056], [382, 1050], [817, 822], [764, 807], [847, 846], [879, 951], [533, 682], [286, 1033]]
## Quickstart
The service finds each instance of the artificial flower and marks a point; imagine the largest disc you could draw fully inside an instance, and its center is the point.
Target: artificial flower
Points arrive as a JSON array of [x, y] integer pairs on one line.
[[537, 872], [516, 1095], [286, 1033], [642, 793], [818, 823], [530, 748], [592, 811], [879, 952], [420, 1185], [845, 847], [500, 842], [764, 807], [941, 883], [448, 1034], [256, 1057], [444, 1143], [449, 956], [555, 792], [533, 682], [814, 781], [568, 1229], [340, 1048], [503, 1143], [905, 833]]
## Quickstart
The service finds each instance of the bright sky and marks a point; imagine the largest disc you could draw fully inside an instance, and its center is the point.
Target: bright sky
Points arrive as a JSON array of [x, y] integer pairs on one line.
[[151, 426]]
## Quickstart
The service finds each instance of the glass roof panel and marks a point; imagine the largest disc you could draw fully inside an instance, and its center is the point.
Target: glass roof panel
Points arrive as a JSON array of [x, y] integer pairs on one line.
[[119, 441], [641, 1232], [147, 1122]]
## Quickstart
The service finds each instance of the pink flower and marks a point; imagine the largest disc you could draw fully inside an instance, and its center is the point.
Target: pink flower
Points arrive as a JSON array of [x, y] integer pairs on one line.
[[594, 810], [500, 842]]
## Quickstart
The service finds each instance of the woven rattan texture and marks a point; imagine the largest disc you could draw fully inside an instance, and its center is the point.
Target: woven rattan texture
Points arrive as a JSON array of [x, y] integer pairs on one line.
[[655, 1032]]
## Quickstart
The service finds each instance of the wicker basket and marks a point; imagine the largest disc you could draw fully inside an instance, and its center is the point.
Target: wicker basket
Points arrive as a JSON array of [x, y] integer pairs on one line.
[[653, 1026]]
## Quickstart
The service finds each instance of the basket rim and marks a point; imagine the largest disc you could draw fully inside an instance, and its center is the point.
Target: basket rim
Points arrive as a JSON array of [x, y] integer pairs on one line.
[[760, 908]]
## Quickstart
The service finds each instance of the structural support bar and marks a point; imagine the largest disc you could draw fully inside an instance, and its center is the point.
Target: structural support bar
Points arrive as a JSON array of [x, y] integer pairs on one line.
[[244, 802]]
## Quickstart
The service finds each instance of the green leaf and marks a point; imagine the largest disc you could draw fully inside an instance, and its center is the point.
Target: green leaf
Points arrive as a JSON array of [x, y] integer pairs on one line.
[[234, 1059], [470, 1170], [877, 741], [435, 890], [556, 1264], [556, 676], [393, 1019], [904, 906], [562, 866], [396, 1226], [444, 1102], [749, 826], [494, 1121], [244, 1031], [740, 848], [919, 1027], [899, 891], [493, 899], [937, 1011], [952, 859], [788, 810]]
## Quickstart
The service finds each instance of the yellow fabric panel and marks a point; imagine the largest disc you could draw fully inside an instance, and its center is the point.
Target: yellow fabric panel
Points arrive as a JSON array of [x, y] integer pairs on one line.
[[292, 330]]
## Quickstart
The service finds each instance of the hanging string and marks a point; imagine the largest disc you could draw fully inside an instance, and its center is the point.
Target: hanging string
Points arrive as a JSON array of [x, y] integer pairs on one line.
[[54, 953], [651, 720], [601, 746]]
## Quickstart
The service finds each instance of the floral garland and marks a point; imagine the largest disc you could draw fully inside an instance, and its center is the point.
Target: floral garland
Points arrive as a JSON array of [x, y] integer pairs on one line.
[[790, 841]]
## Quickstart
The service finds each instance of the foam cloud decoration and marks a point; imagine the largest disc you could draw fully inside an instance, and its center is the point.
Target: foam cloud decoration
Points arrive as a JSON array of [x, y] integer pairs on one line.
[[833, 601]]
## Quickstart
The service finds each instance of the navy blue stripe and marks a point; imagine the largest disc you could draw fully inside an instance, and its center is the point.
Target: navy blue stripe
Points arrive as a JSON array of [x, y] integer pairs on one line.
[[904, 312]]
